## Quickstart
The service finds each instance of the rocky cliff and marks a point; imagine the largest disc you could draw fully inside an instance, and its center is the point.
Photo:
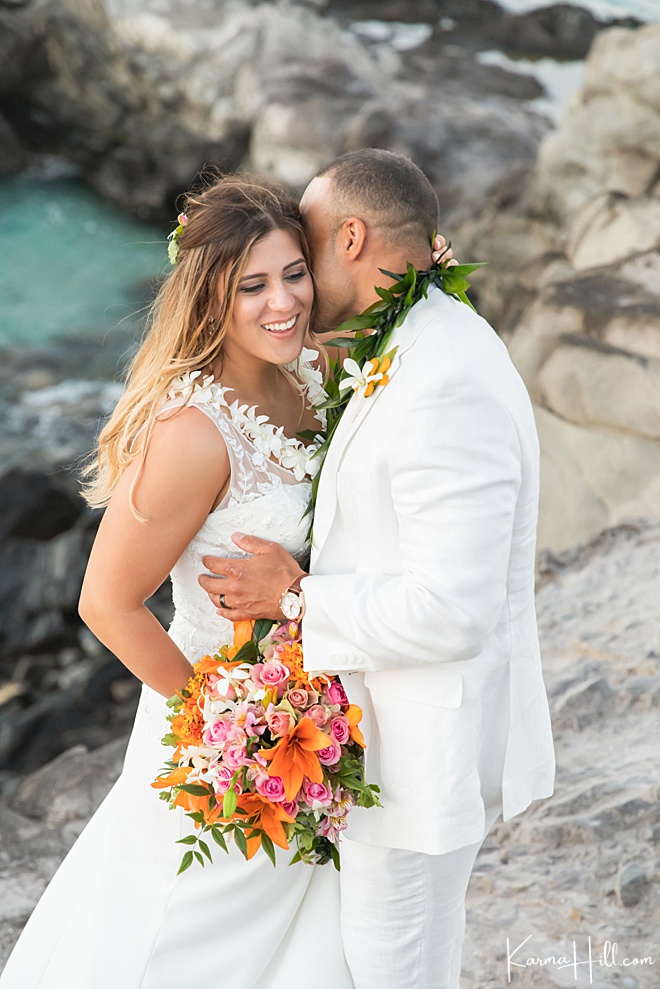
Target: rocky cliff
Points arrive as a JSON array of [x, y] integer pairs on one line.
[[576, 291], [141, 95]]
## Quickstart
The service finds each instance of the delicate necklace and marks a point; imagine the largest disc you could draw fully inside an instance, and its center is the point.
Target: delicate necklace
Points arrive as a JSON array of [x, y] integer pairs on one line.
[[289, 452]]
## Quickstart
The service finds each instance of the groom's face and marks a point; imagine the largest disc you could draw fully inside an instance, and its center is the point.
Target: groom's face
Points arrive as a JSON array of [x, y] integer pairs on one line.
[[335, 291]]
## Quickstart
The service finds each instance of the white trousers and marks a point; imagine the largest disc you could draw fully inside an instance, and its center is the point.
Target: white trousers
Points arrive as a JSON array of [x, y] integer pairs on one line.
[[403, 914]]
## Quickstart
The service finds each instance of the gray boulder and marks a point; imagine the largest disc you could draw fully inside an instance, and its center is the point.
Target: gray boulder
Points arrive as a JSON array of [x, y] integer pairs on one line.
[[65, 792], [609, 138]]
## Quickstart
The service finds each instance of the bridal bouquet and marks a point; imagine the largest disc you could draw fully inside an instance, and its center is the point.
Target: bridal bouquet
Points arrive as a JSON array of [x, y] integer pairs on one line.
[[263, 753]]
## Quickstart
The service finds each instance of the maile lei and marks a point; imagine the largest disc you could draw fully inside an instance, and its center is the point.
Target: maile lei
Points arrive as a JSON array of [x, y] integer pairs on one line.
[[369, 361]]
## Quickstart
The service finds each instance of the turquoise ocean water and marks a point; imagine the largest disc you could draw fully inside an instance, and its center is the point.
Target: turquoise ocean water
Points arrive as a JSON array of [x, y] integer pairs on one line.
[[71, 263]]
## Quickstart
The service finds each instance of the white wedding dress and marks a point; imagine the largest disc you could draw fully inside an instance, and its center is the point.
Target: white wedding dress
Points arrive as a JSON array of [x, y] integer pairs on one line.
[[116, 915]]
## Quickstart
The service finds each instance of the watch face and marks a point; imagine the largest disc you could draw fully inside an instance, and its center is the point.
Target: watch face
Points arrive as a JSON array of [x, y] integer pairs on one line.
[[290, 605]]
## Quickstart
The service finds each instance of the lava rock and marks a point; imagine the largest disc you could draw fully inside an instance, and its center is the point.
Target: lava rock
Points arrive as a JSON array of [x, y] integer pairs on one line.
[[584, 703], [35, 506], [632, 882], [13, 156], [83, 713], [68, 789], [40, 586]]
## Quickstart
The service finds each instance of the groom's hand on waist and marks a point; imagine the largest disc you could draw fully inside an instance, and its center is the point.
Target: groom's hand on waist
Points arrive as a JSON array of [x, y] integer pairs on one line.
[[251, 588]]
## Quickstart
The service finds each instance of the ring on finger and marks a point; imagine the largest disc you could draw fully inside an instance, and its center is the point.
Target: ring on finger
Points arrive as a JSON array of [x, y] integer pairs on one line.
[[221, 600]]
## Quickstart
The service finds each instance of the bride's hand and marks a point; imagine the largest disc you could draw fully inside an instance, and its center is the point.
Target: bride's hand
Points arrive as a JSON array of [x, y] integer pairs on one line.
[[440, 250], [251, 587]]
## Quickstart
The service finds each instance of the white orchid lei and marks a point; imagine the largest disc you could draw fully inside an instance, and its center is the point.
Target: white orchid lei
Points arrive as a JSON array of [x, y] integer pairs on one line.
[[290, 452]]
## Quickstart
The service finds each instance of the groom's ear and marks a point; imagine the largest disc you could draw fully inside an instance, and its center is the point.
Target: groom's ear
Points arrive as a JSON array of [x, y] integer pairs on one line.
[[351, 239]]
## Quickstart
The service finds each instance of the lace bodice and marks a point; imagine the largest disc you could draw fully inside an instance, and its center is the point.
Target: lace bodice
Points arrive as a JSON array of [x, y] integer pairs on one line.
[[265, 498]]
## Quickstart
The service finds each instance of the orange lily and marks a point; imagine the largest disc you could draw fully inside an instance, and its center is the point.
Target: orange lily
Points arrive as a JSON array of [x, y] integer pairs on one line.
[[192, 803], [353, 715], [242, 634], [208, 664], [268, 816], [182, 799], [178, 775], [294, 756]]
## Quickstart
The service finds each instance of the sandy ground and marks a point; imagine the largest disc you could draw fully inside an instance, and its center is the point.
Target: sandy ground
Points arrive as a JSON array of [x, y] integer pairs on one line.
[[582, 867]]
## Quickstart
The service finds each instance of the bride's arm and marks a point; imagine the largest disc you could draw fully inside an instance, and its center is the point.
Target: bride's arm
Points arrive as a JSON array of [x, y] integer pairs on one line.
[[185, 469]]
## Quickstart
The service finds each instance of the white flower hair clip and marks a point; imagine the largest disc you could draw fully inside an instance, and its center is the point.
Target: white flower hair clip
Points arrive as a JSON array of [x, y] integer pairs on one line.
[[173, 238]]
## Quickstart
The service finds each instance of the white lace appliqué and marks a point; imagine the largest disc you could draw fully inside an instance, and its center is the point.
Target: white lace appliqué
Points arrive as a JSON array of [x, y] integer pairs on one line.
[[268, 439]]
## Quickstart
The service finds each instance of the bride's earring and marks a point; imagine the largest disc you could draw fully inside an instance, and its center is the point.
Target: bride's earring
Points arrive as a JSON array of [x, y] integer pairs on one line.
[[211, 319]]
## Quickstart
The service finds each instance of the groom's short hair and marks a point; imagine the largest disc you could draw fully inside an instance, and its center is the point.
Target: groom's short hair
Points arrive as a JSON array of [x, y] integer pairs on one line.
[[387, 190]]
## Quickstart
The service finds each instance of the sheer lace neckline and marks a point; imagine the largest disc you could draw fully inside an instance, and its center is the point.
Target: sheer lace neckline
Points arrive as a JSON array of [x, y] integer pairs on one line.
[[289, 452]]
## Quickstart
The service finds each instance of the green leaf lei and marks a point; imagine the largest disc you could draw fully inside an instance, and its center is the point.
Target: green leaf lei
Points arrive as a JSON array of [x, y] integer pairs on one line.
[[382, 318]]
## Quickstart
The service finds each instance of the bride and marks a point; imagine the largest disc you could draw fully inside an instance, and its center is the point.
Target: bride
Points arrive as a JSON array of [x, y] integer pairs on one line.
[[202, 444]]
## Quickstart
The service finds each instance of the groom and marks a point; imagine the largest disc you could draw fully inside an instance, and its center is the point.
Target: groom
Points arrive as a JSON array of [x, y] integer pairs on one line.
[[421, 592]]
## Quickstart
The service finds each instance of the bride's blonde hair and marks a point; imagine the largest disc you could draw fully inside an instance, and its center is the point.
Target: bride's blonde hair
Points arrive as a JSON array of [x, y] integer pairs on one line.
[[188, 319]]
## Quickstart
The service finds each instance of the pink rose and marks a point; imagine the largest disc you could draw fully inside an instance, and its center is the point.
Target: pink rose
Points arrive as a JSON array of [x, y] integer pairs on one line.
[[272, 788], [298, 697], [279, 723], [290, 807], [215, 734], [340, 730], [337, 694], [318, 714], [330, 755], [270, 674], [316, 794]]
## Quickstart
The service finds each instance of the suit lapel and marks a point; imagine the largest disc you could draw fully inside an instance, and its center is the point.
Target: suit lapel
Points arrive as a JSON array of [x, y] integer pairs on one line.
[[354, 415]]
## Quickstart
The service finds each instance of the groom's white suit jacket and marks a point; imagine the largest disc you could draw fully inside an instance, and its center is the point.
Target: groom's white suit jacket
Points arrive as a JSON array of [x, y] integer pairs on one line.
[[421, 593]]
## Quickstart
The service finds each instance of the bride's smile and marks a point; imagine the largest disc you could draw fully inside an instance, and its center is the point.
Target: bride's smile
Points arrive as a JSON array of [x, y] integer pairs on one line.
[[273, 303]]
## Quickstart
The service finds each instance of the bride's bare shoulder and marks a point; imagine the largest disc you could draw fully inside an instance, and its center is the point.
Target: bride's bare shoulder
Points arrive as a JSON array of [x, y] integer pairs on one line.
[[178, 474], [187, 438]]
